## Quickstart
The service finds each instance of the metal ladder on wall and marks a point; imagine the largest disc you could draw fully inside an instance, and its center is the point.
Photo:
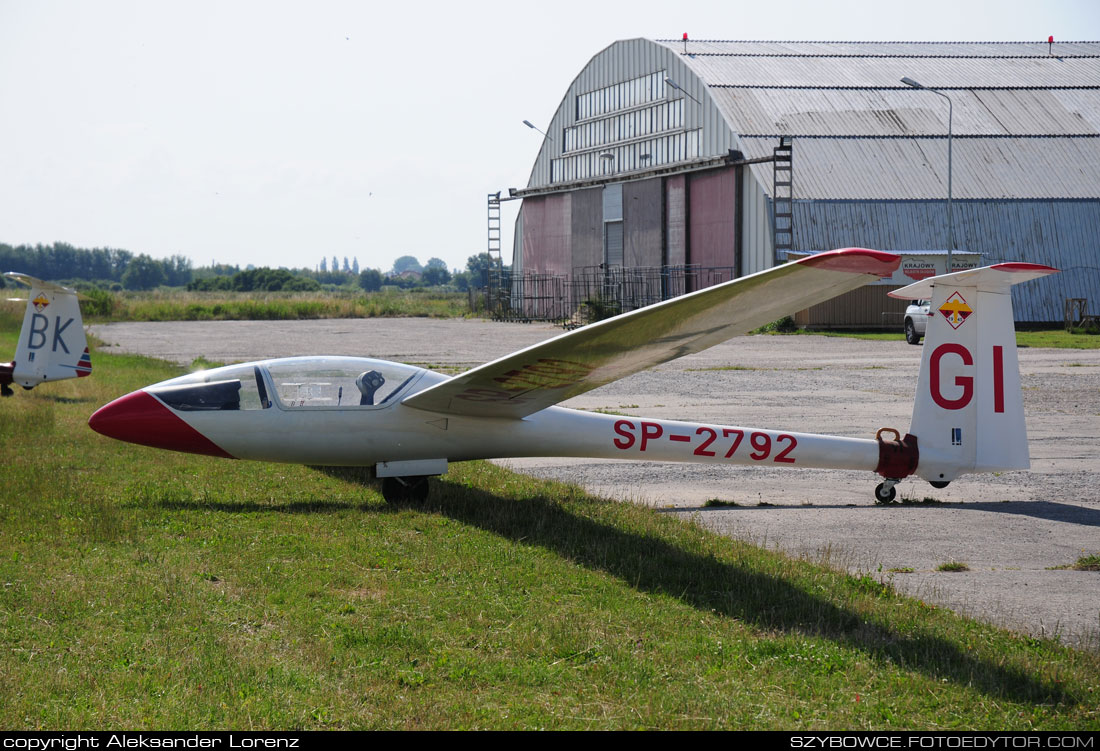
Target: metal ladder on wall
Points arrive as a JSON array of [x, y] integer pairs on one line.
[[782, 199], [495, 292]]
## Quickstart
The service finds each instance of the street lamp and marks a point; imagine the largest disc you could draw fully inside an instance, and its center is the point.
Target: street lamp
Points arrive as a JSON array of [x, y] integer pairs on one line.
[[683, 91], [950, 219], [531, 125]]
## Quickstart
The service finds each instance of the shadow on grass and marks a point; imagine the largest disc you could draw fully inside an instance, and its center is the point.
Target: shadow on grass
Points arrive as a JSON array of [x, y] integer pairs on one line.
[[650, 564], [766, 602]]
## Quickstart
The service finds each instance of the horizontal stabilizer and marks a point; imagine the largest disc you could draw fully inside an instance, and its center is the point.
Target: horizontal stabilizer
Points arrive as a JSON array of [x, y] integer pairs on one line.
[[996, 278]]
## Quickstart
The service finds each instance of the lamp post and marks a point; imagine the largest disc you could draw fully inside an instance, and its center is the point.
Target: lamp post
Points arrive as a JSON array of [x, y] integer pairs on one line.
[[532, 126], [682, 90], [950, 219]]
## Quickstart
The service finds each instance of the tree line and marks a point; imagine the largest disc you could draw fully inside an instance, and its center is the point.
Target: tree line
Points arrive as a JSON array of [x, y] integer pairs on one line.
[[116, 269], [103, 266]]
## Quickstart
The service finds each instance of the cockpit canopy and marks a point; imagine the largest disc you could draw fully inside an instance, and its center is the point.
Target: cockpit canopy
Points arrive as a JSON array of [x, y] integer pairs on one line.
[[290, 383]]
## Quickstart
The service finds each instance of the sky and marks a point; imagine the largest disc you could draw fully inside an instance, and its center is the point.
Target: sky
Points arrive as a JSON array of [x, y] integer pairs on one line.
[[277, 133]]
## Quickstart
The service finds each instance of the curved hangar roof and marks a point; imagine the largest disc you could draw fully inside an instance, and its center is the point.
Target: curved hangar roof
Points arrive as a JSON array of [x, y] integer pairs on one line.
[[1026, 121]]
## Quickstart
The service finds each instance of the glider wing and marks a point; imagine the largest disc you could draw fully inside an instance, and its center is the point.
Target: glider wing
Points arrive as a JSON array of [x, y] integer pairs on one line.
[[542, 375]]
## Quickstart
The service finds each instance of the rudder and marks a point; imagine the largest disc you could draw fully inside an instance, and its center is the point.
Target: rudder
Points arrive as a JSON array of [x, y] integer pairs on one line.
[[968, 414], [52, 345]]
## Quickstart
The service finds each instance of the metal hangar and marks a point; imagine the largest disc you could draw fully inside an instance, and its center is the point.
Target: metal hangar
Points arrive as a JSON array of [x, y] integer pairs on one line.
[[674, 164]]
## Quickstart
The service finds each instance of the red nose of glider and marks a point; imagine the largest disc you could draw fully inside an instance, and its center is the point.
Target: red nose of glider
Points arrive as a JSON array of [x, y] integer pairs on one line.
[[141, 418]]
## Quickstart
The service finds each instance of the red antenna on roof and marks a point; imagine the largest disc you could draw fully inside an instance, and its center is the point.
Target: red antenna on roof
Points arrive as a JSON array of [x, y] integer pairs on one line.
[[1050, 44], [686, 42]]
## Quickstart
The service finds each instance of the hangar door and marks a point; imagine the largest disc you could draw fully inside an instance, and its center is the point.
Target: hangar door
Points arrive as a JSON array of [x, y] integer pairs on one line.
[[613, 224]]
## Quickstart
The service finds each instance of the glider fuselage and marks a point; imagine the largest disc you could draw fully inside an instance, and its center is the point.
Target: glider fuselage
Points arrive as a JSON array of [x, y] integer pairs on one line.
[[295, 410]]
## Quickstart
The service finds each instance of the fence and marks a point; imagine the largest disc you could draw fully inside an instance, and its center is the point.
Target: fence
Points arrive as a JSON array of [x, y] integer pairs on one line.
[[593, 292]]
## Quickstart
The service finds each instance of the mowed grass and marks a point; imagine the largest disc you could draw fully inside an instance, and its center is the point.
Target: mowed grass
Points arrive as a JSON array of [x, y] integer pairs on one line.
[[180, 305], [147, 589]]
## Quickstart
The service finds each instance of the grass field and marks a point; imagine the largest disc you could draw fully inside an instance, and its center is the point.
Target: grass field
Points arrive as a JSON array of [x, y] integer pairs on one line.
[[180, 305], [146, 589]]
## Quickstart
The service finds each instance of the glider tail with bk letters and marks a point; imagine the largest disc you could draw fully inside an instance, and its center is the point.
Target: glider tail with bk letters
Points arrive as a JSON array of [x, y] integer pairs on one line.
[[52, 345], [968, 413]]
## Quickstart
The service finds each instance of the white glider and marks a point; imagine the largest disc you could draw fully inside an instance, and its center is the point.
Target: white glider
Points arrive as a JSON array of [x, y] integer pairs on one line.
[[52, 345], [409, 423]]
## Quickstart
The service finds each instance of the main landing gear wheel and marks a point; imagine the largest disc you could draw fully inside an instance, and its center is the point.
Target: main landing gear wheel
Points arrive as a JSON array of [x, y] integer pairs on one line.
[[911, 334], [939, 484], [885, 493], [405, 489]]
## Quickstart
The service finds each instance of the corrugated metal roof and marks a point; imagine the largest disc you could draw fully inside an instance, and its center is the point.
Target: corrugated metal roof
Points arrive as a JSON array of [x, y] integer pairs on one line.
[[1063, 234], [860, 133], [916, 168], [934, 72], [750, 90], [887, 49], [880, 112]]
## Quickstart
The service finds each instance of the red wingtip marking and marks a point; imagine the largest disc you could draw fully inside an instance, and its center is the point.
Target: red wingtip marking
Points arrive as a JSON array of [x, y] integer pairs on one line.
[[140, 418], [855, 261], [1021, 266]]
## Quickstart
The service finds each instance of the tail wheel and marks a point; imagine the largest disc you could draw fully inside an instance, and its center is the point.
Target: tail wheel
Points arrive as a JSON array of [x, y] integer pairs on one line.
[[884, 494], [911, 334]]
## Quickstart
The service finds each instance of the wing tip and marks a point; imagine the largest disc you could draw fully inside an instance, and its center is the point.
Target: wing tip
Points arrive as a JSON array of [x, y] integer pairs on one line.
[[33, 281], [854, 261], [1021, 266]]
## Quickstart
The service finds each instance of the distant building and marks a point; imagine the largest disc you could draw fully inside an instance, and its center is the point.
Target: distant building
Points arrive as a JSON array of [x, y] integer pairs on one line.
[[678, 157]]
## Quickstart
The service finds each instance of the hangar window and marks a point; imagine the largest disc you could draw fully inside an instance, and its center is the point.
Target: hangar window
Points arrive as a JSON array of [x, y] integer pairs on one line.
[[668, 149], [638, 123], [647, 88]]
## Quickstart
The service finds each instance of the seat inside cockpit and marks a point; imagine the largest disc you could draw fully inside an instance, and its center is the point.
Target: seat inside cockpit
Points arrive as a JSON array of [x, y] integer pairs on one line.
[[368, 384]]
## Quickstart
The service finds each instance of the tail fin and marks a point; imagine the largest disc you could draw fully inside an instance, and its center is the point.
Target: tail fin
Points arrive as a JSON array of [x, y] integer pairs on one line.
[[52, 345], [969, 414]]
